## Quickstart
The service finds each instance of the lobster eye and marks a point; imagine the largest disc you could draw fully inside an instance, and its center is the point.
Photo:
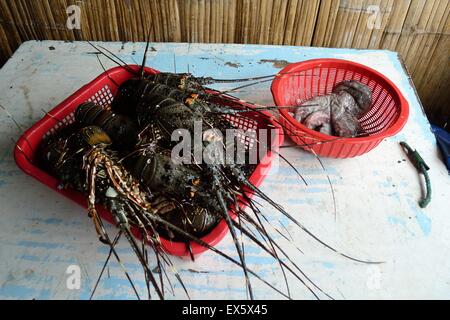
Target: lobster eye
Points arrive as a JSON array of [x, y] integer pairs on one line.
[[196, 182], [95, 136]]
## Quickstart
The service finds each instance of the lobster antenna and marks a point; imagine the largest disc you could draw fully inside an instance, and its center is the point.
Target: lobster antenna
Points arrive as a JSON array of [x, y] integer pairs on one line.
[[257, 212], [291, 165], [273, 253], [291, 73], [167, 277], [320, 142], [242, 244], [264, 234], [262, 231], [135, 247], [189, 48], [255, 203], [145, 236], [307, 231], [167, 260], [125, 66], [245, 86], [104, 69], [19, 127], [262, 246], [227, 219], [174, 63], [180, 231], [242, 79], [114, 55], [12, 118], [176, 273], [115, 241], [141, 71], [122, 266], [252, 79], [258, 107], [107, 56], [164, 256], [145, 254], [329, 182], [141, 258]]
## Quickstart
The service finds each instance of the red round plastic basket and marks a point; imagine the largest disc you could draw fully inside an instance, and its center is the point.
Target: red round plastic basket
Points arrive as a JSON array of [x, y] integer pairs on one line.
[[303, 80], [101, 91]]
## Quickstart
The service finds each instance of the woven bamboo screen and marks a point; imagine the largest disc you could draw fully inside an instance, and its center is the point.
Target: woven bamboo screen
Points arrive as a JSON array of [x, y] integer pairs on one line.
[[417, 29]]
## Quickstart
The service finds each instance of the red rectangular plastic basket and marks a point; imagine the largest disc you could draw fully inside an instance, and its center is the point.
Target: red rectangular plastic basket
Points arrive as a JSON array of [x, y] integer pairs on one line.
[[101, 91]]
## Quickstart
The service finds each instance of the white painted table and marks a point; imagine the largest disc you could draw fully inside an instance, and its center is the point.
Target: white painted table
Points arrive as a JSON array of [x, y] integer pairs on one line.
[[42, 234]]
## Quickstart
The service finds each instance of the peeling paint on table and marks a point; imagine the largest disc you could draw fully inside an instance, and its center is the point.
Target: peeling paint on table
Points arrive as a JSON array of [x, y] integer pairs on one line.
[[377, 218]]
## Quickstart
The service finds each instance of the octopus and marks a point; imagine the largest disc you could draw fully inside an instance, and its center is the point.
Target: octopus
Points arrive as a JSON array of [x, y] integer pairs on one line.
[[337, 113]]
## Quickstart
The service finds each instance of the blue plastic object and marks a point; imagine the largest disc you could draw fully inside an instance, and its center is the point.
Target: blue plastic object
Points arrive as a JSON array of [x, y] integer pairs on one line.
[[443, 140]]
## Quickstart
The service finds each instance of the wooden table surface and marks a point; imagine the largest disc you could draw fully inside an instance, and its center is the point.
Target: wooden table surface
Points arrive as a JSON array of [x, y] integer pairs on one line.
[[42, 234]]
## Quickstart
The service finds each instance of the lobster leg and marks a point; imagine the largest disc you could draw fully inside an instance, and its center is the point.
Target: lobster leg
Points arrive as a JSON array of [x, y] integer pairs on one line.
[[92, 212]]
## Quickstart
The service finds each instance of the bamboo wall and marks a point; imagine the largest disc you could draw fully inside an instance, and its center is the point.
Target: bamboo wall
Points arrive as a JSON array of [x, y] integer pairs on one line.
[[417, 29]]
